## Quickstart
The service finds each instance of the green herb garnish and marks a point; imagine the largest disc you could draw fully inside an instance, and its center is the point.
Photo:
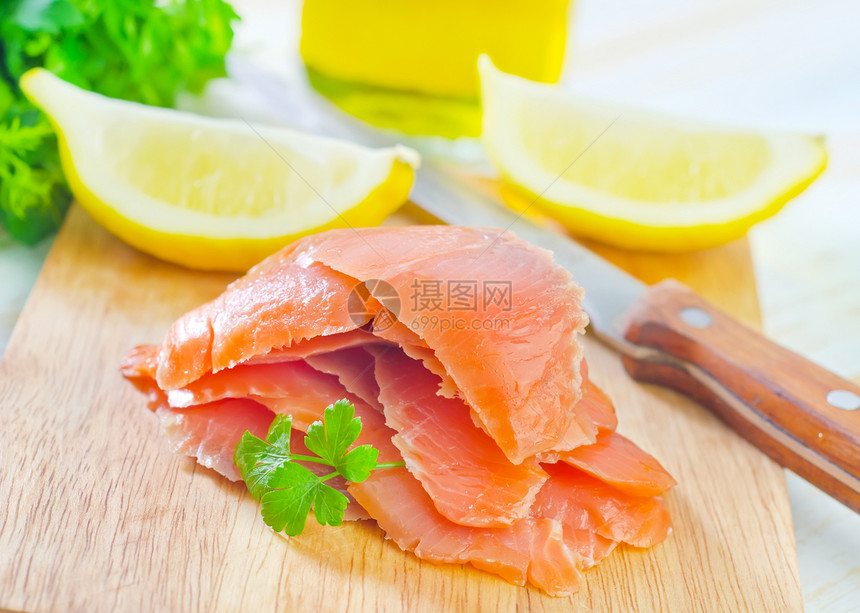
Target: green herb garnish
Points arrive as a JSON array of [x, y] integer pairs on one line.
[[287, 490]]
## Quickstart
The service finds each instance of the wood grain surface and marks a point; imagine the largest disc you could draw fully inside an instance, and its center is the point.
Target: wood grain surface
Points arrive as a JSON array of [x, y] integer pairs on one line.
[[101, 516]]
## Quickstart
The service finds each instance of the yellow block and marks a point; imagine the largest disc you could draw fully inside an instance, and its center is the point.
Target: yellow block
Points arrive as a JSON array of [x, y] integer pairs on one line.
[[433, 47]]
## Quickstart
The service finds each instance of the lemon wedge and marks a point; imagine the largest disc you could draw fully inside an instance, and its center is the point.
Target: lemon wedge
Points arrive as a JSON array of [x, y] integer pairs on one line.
[[208, 193], [634, 179]]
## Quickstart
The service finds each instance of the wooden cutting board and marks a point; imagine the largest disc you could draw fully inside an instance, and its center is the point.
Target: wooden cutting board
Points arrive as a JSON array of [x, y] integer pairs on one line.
[[101, 516]]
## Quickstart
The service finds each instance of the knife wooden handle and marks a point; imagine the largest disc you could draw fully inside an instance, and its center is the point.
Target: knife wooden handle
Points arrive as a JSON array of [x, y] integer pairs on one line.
[[782, 403]]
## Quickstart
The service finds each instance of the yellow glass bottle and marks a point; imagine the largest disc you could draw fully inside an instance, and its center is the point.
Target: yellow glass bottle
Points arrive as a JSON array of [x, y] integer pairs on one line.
[[412, 64]]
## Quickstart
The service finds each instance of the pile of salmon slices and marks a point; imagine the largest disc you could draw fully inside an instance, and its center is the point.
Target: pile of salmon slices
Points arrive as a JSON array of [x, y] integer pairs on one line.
[[459, 348]]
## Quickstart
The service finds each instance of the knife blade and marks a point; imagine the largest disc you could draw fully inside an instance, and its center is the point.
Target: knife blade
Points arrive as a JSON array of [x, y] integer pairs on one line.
[[801, 415]]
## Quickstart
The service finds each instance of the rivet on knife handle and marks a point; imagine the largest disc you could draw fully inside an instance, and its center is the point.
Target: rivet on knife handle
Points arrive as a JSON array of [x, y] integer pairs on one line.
[[801, 415]]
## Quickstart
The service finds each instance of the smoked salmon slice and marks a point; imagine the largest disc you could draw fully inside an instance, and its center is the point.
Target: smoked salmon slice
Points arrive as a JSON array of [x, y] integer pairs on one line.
[[513, 464], [468, 478], [406, 513], [303, 349], [583, 502], [553, 565], [354, 368], [139, 368], [596, 403], [516, 358], [561, 536], [618, 462], [211, 431], [295, 379], [282, 301]]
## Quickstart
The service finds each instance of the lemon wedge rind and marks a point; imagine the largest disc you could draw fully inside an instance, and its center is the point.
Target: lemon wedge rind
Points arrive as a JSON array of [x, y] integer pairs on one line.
[[326, 183], [521, 116]]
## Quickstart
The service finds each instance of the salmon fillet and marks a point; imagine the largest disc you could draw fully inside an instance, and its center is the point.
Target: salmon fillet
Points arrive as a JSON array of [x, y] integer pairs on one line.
[[512, 461], [469, 479], [519, 378]]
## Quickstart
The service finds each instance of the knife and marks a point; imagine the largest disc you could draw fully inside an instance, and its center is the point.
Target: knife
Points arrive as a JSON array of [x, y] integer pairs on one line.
[[801, 415]]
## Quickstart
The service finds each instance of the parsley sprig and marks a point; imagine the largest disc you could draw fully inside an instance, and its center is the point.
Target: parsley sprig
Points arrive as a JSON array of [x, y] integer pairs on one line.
[[286, 489]]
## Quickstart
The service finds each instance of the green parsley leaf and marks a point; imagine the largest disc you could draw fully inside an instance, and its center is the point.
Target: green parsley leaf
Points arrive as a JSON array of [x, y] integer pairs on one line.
[[279, 432], [286, 506], [338, 430], [296, 491], [356, 465], [287, 490], [329, 505], [248, 451], [258, 459]]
